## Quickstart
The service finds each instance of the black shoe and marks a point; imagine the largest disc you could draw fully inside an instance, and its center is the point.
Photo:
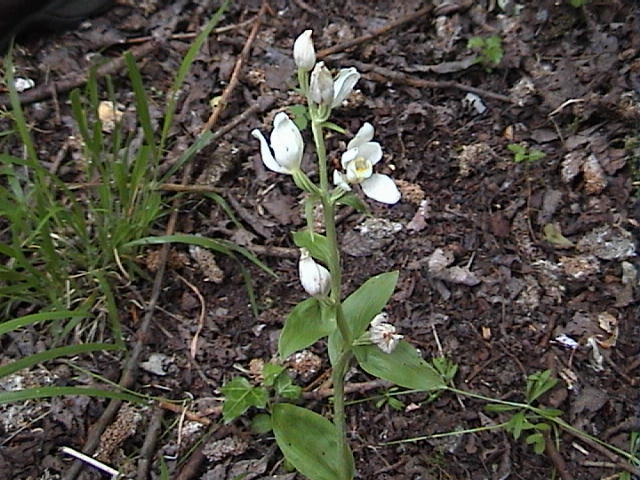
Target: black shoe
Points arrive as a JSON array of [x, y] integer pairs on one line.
[[19, 15]]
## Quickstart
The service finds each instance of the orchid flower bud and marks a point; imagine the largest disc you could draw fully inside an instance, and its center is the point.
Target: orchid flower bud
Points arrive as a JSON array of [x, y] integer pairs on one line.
[[286, 143], [321, 87], [303, 52], [315, 279]]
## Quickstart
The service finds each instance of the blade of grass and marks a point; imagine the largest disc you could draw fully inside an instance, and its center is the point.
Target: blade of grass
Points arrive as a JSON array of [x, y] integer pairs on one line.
[[36, 358], [47, 392], [37, 318], [184, 70]]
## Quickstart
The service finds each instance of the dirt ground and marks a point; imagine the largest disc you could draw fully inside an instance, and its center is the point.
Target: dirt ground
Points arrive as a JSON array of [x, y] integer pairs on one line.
[[547, 248]]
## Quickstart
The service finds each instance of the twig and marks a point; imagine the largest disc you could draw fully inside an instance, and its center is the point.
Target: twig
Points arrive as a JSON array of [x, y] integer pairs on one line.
[[172, 407], [614, 457], [68, 83], [235, 75], [192, 35], [308, 8], [151, 438], [381, 74], [556, 458], [444, 10], [203, 310], [348, 388]]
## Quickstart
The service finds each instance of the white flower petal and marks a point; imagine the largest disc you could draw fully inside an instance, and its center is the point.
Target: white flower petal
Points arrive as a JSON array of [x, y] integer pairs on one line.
[[321, 85], [304, 53], [348, 157], [340, 180], [364, 135], [265, 153], [372, 151], [343, 85], [315, 279], [381, 188], [286, 142]]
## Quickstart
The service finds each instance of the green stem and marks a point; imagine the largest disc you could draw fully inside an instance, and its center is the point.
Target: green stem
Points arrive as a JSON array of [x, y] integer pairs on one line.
[[333, 263]]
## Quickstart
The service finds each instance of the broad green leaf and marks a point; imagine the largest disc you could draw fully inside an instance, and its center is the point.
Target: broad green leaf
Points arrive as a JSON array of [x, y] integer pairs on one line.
[[309, 442], [317, 244], [367, 301], [261, 423], [239, 396], [300, 116], [304, 326], [404, 366]]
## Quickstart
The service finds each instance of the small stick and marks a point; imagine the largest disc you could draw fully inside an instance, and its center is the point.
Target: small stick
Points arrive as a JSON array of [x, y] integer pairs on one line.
[[348, 388], [556, 458], [235, 75], [91, 461], [69, 83], [150, 440], [381, 74], [443, 10], [305, 6], [172, 407], [192, 35], [377, 33]]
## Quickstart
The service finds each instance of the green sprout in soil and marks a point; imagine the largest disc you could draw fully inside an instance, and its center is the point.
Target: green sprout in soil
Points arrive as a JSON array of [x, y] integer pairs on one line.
[[522, 154], [489, 50]]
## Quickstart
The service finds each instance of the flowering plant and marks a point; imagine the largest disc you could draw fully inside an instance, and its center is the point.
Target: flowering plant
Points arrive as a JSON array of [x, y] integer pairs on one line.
[[356, 328]]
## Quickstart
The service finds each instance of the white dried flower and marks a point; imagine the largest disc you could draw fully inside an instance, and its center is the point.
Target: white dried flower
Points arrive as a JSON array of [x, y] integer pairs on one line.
[[383, 334]]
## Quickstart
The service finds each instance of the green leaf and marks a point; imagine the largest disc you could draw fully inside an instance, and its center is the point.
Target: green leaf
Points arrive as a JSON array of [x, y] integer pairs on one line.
[[404, 366], [352, 200], [366, 302], [537, 440], [445, 367], [317, 244], [497, 407], [334, 127], [551, 412], [261, 423], [270, 372], [216, 244], [286, 389], [300, 116], [309, 442], [553, 235], [239, 396], [539, 383], [304, 326]]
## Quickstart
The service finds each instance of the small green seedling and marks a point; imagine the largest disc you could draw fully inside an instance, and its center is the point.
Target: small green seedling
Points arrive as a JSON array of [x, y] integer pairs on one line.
[[536, 420], [489, 49], [389, 398], [522, 154], [578, 3]]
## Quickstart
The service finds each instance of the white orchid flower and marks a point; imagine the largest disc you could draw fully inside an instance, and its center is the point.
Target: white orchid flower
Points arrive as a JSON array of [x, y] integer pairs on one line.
[[286, 143], [315, 279], [321, 86], [383, 334], [358, 161], [343, 85], [304, 53]]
